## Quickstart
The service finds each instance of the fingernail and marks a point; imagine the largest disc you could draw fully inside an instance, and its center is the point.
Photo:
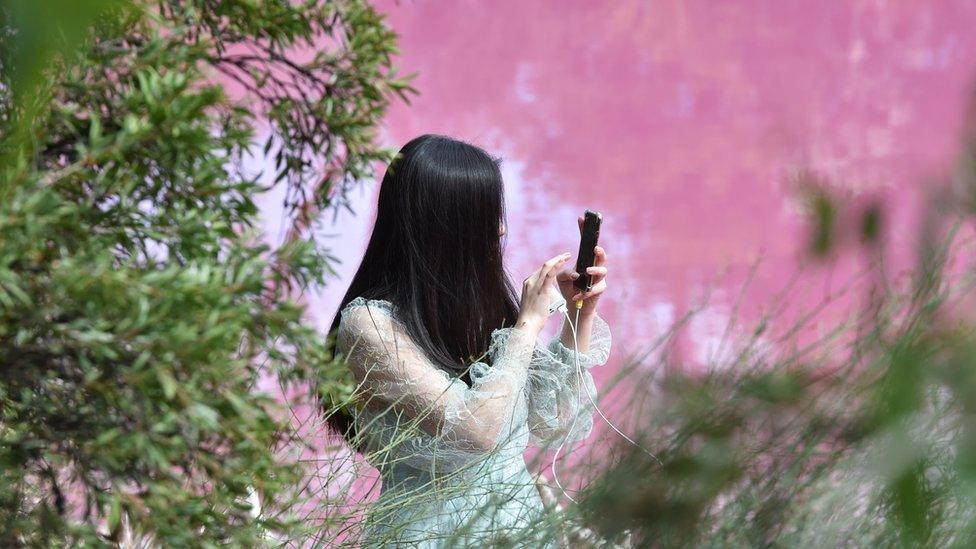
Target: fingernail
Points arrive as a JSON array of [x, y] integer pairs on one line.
[[575, 275]]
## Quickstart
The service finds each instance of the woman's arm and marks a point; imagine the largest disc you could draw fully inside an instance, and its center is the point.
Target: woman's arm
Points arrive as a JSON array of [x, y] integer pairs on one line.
[[587, 313], [396, 375], [559, 407], [456, 423], [584, 330], [559, 391]]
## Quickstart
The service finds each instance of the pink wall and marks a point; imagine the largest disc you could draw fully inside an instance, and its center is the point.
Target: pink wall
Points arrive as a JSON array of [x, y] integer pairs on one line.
[[683, 121]]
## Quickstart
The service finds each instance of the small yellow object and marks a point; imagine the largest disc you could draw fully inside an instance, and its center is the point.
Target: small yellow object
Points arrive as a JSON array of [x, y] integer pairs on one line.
[[579, 303]]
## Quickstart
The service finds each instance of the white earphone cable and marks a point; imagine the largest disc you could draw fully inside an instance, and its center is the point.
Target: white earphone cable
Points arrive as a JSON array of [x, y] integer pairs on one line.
[[582, 384]]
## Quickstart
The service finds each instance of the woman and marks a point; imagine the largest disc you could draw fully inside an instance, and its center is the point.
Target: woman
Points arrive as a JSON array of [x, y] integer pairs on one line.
[[454, 383]]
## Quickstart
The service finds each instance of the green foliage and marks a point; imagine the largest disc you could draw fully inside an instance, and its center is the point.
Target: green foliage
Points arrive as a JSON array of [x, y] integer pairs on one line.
[[862, 437], [138, 307]]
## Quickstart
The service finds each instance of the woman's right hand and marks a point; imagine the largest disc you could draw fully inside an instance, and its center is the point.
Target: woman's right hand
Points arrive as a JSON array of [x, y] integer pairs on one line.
[[536, 296]]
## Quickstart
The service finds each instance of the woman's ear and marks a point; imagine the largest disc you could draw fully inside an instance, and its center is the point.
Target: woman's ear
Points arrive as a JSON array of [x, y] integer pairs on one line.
[[501, 229]]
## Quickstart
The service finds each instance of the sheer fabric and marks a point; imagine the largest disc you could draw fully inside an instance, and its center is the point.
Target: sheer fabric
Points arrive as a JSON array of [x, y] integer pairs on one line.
[[450, 455]]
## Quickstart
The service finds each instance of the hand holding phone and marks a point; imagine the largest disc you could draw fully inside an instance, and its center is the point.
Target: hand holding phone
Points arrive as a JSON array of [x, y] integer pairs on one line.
[[584, 284], [586, 258]]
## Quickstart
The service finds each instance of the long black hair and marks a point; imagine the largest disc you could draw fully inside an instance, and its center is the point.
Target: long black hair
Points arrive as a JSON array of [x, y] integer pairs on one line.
[[436, 254]]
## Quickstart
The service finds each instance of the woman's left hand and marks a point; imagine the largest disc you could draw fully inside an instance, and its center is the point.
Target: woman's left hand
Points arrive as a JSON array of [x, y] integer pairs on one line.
[[598, 283]]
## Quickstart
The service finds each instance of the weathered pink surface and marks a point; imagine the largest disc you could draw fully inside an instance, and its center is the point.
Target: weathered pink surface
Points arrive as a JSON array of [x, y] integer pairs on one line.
[[683, 122]]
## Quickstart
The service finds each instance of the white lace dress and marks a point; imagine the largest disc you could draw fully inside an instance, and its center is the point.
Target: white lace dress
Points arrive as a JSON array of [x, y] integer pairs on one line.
[[449, 455]]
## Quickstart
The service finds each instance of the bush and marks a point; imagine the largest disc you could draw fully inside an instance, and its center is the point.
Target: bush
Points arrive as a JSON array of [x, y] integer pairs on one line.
[[138, 306]]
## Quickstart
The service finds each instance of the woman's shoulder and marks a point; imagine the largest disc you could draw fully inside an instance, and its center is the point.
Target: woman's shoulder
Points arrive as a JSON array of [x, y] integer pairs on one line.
[[358, 303], [370, 325], [362, 312]]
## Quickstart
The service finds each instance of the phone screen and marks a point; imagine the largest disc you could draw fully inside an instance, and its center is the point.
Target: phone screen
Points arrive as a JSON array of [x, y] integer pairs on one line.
[[588, 241]]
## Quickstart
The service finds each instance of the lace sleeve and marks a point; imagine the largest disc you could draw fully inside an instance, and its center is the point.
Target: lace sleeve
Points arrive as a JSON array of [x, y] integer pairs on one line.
[[557, 393], [415, 410]]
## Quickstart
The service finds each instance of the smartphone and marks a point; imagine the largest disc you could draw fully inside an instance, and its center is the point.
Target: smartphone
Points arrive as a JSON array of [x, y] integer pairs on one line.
[[588, 241]]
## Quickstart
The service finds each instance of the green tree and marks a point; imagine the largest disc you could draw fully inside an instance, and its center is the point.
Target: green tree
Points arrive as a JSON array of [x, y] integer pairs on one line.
[[138, 305]]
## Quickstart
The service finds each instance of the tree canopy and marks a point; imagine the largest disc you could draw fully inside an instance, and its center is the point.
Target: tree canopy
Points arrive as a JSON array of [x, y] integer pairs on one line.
[[138, 304]]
